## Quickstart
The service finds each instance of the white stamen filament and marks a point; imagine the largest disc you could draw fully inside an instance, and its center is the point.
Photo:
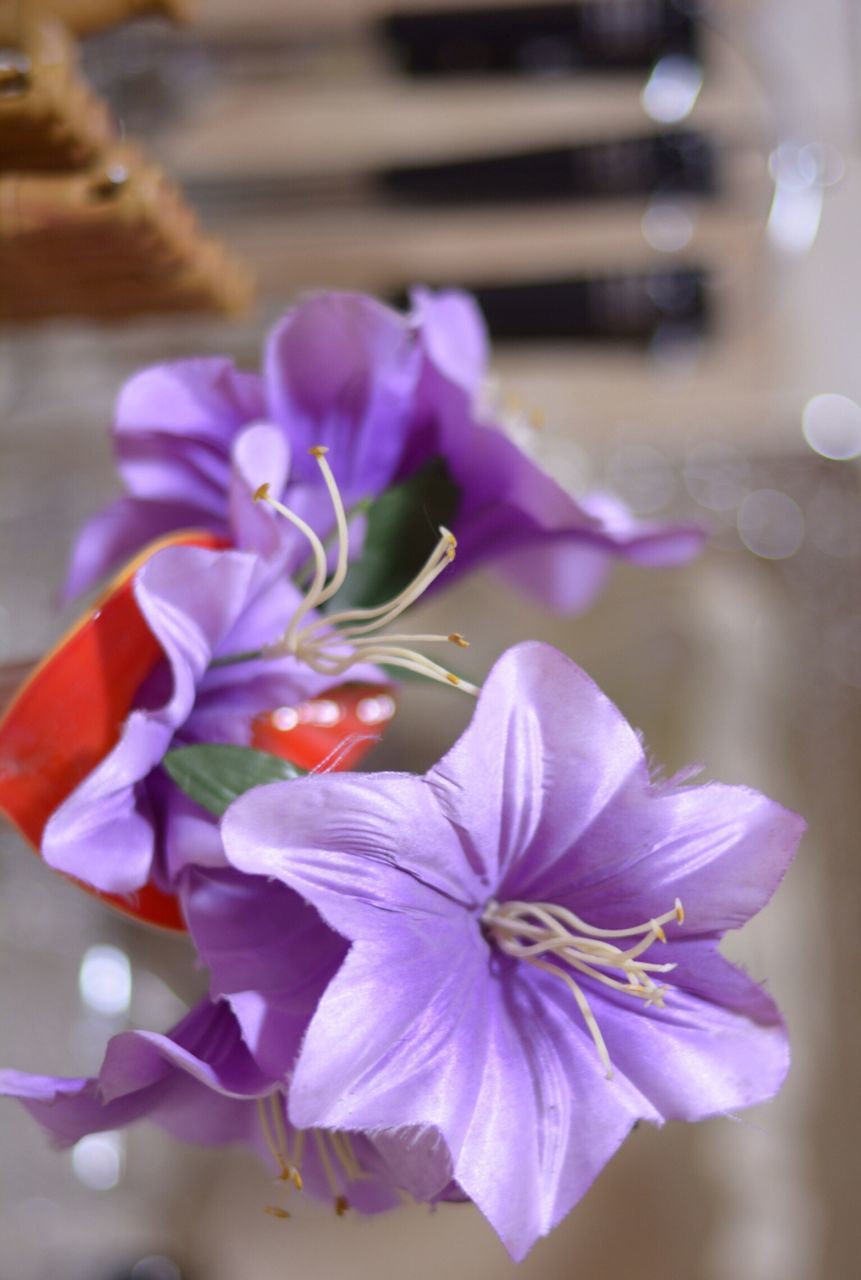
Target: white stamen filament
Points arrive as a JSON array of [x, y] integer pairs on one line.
[[333, 644], [540, 932], [335, 1150]]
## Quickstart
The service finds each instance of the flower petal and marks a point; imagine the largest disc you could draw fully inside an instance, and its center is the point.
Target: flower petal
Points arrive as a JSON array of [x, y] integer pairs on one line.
[[545, 1119], [421, 1030], [268, 951], [696, 1058], [453, 334], [195, 1082], [565, 570], [722, 850], [190, 598], [360, 848], [174, 426], [648, 542], [110, 538], [397, 1038], [542, 757], [260, 455], [341, 370], [560, 573]]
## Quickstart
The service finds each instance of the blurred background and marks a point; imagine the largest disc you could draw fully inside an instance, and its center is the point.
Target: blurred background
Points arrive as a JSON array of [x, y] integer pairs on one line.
[[658, 205]]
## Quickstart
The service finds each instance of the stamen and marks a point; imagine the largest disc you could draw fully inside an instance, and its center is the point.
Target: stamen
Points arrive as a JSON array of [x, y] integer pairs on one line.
[[274, 1128], [291, 1172], [299, 1148], [332, 644], [340, 1200], [531, 931], [278, 1153], [319, 452], [343, 1150]]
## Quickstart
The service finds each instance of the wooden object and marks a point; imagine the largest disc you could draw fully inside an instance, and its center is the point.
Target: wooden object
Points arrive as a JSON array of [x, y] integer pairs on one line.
[[85, 17], [49, 118], [114, 241]]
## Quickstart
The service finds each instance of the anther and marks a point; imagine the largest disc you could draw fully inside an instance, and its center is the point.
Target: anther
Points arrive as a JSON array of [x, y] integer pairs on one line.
[[319, 451], [342, 1204], [275, 1211], [261, 492], [452, 679], [459, 640], [541, 932]]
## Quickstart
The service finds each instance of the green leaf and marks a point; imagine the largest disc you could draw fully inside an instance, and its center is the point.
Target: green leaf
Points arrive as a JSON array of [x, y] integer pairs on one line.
[[214, 774], [403, 528]]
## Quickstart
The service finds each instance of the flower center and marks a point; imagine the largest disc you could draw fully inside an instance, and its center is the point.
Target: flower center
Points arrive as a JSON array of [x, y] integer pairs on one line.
[[335, 1151], [331, 645], [557, 941]]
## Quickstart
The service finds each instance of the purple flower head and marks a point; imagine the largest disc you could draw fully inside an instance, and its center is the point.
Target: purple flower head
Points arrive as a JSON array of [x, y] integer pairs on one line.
[[194, 436], [202, 1085], [127, 822], [271, 957], [530, 916], [390, 396]]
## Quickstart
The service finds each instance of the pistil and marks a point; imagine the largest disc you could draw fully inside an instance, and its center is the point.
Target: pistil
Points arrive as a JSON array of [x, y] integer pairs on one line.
[[333, 644], [555, 940]]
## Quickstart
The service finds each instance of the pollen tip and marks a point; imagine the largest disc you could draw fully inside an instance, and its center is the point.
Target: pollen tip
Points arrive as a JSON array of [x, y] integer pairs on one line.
[[319, 451], [452, 679], [459, 640], [680, 911], [261, 492], [659, 934], [342, 1204], [297, 1180], [275, 1211]]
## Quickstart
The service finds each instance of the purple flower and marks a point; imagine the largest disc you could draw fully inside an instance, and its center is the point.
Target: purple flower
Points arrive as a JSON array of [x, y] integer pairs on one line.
[[271, 957], [507, 914], [338, 371], [511, 513], [202, 1085], [386, 394], [268, 953], [127, 823]]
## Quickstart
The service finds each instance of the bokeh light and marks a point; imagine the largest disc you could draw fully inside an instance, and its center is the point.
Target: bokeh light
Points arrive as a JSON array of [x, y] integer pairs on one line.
[[771, 524], [105, 980], [98, 1160], [832, 425], [672, 89]]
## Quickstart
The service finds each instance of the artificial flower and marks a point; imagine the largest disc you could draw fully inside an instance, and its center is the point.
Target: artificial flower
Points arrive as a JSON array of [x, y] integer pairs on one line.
[[127, 823], [270, 956], [533, 929], [195, 645], [390, 396], [200, 1083]]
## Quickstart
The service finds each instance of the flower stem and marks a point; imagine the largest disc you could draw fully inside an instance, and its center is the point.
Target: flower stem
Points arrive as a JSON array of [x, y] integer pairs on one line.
[[248, 656]]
